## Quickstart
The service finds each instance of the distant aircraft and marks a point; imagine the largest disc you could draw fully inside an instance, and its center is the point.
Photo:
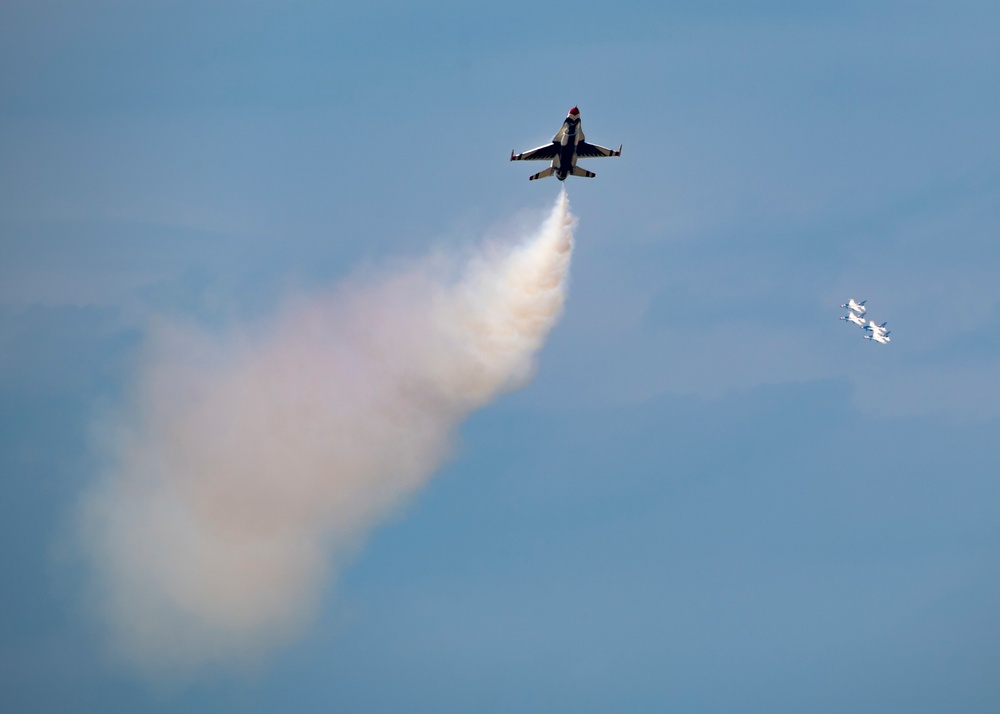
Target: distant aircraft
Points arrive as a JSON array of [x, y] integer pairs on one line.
[[856, 319], [881, 337], [875, 329], [858, 307], [567, 146]]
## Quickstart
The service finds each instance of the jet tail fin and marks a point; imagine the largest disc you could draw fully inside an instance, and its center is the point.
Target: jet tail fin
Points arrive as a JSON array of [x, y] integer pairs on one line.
[[578, 171], [544, 173]]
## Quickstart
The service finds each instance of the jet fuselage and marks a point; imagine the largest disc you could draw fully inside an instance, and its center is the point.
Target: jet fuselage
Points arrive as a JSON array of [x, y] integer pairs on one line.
[[566, 160]]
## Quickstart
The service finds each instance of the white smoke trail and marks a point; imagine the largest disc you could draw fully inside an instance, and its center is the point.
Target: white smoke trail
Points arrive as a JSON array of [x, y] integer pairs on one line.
[[248, 467]]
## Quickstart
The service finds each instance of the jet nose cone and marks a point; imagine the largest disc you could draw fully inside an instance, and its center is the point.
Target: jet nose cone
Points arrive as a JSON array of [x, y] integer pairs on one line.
[[574, 112]]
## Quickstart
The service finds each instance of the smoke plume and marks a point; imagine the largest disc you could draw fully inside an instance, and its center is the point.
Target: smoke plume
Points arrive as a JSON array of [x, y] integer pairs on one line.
[[246, 467]]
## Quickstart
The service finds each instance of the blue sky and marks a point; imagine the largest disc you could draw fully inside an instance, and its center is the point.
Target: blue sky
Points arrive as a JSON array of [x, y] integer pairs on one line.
[[713, 497]]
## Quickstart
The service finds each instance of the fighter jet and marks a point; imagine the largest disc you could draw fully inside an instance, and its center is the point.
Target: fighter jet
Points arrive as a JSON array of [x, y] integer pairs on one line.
[[881, 337], [567, 146], [856, 319], [875, 329], [858, 307]]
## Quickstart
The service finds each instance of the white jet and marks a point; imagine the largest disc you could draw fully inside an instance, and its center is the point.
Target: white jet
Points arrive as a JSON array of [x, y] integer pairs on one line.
[[856, 319], [875, 329], [858, 307], [881, 337], [567, 146]]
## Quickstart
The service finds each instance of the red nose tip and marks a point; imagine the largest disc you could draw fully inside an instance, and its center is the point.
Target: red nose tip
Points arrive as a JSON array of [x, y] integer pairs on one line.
[[574, 111]]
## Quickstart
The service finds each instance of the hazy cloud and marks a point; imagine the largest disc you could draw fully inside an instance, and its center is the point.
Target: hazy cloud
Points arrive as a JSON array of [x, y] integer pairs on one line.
[[247, 466]]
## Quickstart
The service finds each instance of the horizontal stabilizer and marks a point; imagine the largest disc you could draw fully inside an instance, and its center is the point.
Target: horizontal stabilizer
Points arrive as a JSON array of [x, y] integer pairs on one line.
[[544, 173], [578, 171]]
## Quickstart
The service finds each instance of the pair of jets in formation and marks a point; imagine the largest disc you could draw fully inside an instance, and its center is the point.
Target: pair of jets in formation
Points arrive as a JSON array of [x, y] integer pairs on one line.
[[567, 146], [855, 311]]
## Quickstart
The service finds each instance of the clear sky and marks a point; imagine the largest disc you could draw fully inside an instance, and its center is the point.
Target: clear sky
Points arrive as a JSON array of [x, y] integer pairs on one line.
[[714, 496]]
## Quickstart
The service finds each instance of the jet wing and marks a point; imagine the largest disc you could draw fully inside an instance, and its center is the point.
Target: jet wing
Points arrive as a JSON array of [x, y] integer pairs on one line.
[[542, 153], [593, 151]]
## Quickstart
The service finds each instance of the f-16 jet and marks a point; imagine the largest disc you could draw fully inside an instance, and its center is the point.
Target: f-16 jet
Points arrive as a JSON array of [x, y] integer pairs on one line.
[[875, 329], [856, 319], [858, 307], [881, 337], [567, 146]]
